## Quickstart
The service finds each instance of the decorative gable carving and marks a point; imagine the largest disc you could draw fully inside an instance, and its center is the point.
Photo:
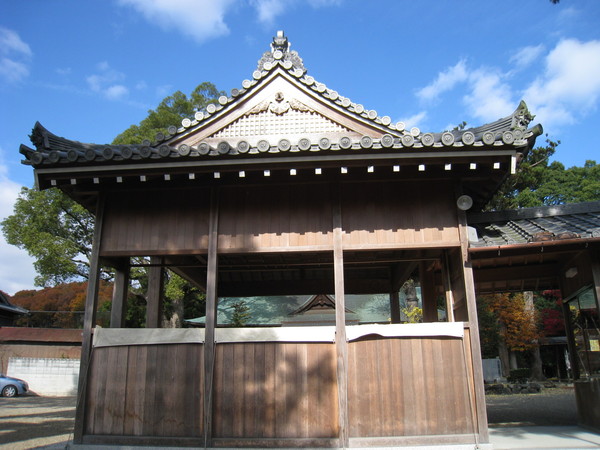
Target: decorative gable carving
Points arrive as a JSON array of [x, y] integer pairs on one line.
[[280, 115]]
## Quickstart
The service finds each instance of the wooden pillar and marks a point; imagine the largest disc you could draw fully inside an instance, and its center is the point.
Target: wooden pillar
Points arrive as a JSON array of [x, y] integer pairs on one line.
[[428, 293], [211, 315], [448, 287], [395, 306], [479, 390], [341, 345], [155, 293], [571, 342], [119, 298], [595, 260], [89, 321], [400, 273]]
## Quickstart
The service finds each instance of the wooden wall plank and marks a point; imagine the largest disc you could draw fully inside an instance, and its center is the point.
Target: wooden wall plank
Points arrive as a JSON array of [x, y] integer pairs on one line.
[[282, 390], [417, 381]]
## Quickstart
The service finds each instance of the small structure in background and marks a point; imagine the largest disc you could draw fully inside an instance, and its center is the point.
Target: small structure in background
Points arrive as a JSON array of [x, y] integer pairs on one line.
[[9, 313]]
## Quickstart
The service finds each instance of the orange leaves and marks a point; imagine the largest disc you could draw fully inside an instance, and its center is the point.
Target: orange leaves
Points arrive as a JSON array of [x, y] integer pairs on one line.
[[520, 329]]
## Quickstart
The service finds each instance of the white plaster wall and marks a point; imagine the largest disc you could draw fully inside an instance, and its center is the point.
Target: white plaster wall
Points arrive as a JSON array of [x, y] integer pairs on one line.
[[46, 376]]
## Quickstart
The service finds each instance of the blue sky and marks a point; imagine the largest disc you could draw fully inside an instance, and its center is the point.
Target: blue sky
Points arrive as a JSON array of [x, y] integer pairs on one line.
[[87, 70]]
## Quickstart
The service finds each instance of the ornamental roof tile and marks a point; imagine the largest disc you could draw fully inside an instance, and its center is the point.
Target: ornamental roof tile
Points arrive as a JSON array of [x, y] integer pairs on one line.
[[510, 132]]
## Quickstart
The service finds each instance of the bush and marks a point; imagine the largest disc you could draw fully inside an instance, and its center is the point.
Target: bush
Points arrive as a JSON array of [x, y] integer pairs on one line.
[[519, 375]]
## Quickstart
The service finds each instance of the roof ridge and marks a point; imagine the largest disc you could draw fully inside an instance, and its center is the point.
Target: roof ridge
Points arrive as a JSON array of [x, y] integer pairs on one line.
[[535, 212]]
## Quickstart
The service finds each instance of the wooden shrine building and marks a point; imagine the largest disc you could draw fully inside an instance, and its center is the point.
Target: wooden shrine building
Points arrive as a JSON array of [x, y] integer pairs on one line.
[[286, 187]]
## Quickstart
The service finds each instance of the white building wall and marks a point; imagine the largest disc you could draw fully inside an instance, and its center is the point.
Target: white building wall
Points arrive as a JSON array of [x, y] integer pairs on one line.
[[46, 376]]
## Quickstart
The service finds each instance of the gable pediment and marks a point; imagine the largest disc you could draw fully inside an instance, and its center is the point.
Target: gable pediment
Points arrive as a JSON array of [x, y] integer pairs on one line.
[[279, 107]]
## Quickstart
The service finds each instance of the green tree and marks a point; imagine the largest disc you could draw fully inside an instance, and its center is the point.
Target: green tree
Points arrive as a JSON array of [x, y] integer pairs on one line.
[[241, 314], [169, 112], [56, 231], [539, 182]]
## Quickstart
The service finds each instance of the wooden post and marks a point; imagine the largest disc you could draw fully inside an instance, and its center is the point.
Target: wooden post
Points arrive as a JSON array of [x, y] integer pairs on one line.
[[481, 414], [395, 306], [448, 287], [595, 260], [89, 321], [341, 345], [119, 298], [428, 293], [155, 293], [571, 342], [400, 273], [211, 315]]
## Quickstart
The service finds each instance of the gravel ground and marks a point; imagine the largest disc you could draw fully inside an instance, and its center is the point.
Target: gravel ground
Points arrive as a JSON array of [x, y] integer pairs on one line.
[[555, 406], [37, 422], [34, 422]]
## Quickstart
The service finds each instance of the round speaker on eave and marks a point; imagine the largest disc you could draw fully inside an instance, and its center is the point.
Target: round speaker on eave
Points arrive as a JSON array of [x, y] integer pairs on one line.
[[464, 202]]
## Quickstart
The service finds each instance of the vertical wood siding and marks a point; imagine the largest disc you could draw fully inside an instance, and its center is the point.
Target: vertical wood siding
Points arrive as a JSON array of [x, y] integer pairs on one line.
[[399, 215], [397, 387], [275, 217], [408, 387], [152, 390], [153, 222], [275, 390], [280, 218]]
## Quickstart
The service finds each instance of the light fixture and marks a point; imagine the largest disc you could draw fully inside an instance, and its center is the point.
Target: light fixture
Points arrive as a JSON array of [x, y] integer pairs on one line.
[[571, 272], [464, 202]]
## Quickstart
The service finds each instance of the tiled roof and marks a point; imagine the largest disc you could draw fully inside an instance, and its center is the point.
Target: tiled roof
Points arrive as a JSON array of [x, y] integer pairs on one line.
[[548, 223], [54, 335], [510, 132]]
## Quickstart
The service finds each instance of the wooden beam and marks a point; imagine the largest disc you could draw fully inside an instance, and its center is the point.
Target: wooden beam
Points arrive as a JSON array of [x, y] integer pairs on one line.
[[89, 321], [516, 272], [211, 315], [119, 298], [476, 361], [341, 345], [155, 293]]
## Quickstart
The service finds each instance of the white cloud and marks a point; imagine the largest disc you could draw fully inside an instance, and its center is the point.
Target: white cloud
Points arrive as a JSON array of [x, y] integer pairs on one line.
[[16, 266], [416, 120], [445, 81], [489, 98], [15, 56], [107, 82], [116, 92], [10, 42], [269, 9], [199, 19], [526, 56], [569, 86]]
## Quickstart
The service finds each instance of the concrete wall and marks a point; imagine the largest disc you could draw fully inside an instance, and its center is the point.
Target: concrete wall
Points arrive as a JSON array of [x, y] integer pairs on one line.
[[492, 370], [46, 376]]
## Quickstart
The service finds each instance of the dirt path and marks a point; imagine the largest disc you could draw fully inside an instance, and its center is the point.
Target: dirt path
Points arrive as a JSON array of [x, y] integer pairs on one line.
[[33, 422], [554, 406]]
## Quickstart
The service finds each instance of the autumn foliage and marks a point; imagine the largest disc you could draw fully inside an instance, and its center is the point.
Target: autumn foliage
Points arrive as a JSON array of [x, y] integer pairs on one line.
[[520, 330], [61, 306]]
